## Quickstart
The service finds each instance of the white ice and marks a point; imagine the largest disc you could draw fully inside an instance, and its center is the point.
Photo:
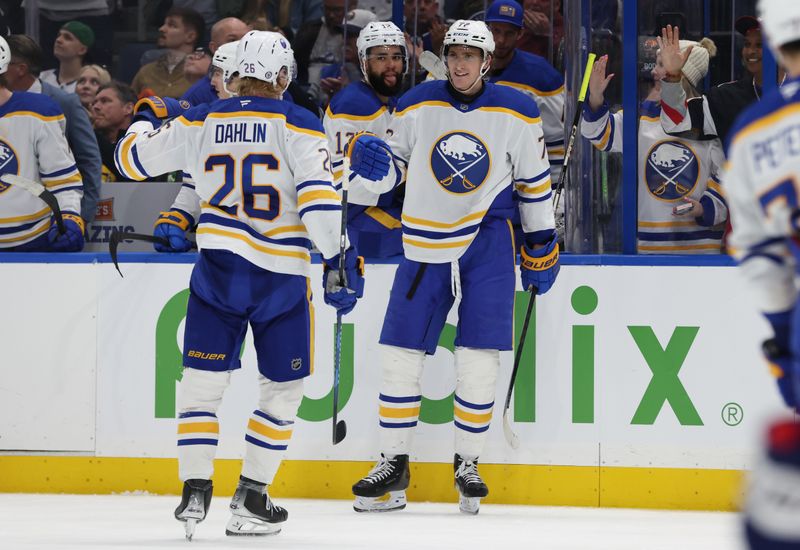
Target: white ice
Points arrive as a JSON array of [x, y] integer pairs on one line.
[[54, 522]]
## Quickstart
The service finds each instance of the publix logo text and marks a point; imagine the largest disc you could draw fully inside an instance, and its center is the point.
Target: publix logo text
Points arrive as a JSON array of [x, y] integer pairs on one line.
[[663, 359]]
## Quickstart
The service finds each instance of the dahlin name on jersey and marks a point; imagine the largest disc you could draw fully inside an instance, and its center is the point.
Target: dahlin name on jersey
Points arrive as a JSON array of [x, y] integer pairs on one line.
[[241, 132]]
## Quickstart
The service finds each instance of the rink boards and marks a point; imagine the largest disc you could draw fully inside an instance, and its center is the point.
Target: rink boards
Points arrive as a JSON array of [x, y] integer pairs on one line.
[[640, 386]]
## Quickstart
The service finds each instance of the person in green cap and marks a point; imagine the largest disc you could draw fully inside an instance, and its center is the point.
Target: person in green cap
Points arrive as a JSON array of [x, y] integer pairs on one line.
[[71, 46]]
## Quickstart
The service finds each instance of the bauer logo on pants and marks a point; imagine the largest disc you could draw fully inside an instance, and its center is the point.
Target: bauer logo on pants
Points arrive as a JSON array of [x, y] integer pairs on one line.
[[460, 162], [671, 170], [9, 162]]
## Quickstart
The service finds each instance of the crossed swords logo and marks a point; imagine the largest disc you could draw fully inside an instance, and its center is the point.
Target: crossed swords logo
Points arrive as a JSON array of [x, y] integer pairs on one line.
[[456, 172], [670, 179]]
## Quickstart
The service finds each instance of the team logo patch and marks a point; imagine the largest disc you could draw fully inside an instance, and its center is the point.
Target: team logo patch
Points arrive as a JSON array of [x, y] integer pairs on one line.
[[9, 163], [297, 363], [671, 170], [460, 162], [508, 10]]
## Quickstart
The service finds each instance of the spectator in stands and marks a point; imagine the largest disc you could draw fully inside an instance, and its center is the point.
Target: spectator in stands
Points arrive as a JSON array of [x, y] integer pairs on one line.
[[196, 65], [72, 44], [319, 43], [89, 81], [180, 35], [225, 30], [539, 32], [334, 77], [96, 14], [422, 16], [23, 76], [113, 112]]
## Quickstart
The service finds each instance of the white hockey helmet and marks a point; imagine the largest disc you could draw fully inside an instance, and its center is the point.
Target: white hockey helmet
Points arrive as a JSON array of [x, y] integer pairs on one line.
[[469, 33], [380, 33], [262, 55], [5, 55], [225, 59], [780, 21]]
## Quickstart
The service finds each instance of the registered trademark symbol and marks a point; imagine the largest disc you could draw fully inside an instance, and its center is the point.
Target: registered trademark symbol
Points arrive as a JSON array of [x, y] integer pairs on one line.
[[732, 414]]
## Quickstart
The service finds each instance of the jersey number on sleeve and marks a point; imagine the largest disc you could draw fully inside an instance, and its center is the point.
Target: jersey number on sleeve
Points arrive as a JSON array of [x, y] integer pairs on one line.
[[249, 189]]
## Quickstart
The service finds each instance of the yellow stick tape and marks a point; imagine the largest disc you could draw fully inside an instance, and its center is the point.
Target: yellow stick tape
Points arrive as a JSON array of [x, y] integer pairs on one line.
[[586, 74], [665, 488]]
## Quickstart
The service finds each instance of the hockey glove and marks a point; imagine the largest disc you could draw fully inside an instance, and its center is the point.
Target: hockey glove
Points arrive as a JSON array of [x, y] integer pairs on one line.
[[343, 294], [156, 109], [72, 239], [539, 268], [777, 351], [370, 157], [172, 226]]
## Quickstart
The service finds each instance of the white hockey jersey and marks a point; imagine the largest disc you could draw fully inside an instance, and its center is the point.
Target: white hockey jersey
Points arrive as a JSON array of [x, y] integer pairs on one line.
[[762, 185], [33, 145], [262, 170], [670, 168], [535, 77], [461, 163]]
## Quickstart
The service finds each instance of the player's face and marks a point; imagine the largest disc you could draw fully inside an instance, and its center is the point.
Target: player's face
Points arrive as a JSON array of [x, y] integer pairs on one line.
[[464, 65], [67, 46], [752, 52], [172, 34], [216, 82], [505, 39], [87, 86], [385, 69], [109, 111]]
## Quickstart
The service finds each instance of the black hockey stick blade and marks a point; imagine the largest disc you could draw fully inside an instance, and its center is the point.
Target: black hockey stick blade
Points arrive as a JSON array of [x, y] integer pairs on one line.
[[339, 432], [119, 236], [38, 190], [510, 436]]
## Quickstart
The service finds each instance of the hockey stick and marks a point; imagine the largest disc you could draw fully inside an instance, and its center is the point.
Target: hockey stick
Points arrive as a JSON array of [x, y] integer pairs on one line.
[[511, 437], [433, 64], [339, 427], [37, 190], [576, 122], [119, 236]]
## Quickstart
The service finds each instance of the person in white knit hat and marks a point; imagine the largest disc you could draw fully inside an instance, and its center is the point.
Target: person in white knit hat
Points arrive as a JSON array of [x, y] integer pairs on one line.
[[681, 209]]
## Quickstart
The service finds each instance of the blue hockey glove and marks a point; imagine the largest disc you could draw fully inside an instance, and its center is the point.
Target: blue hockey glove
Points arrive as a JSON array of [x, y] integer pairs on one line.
[[72, 239], [172, 226], [338, 294], [539, 268], [370, 157], [158, 109]]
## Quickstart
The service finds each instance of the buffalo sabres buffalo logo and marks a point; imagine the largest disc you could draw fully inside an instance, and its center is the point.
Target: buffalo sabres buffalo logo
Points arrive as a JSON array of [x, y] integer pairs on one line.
[[671, 170], [460, 162], [9, 163]]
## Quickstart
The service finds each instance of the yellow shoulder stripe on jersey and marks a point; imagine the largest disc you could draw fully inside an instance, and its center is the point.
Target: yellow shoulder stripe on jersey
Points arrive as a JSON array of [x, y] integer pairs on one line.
[[69, 179], [43, 213], [422, 104], [347, 116], [52, 118], [27, 236], [536, 189], [327, 194], [769, 120], [261, 248], [512, 112], [186, 122], [530, 88], [382, 217], [451, 244], [715, 186], [124, 155], [666, 224], [445, 225]]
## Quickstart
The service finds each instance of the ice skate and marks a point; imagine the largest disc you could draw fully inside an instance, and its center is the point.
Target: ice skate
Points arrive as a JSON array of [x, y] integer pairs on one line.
[[254, 513], [194, 504], [471, 488], [384, 488]]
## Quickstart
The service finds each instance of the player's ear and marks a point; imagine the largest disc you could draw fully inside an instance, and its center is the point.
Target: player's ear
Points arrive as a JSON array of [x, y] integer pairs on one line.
[[128, 109]]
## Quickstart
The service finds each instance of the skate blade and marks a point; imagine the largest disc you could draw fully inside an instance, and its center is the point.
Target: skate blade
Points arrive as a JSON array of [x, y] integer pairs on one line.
[[239, 526], [390, 502], [189, 527], [469, 505]]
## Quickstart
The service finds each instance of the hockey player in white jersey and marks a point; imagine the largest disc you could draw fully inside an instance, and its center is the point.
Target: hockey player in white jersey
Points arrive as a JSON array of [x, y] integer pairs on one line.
[[674, 172], [33, 145], [761, 181], [262, 170], [368, 105], [463, 146]]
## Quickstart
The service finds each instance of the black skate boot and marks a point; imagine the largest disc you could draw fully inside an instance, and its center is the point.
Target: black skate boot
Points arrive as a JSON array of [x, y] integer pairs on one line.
[[389, 476], [254, 514], [471, 488], [194, 504]]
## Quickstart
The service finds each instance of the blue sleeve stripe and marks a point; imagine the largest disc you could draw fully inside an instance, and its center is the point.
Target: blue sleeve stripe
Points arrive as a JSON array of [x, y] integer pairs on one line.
[[264, 444], [767, 243], [209, 218], [537, 199], [138, 164], [21, 227], [59, 172], [554, 143], [473, 405], [767, 256], [716, 195], [272, 419], [70, 188], [337, 163], [683, 236], [539, 237], [390, 399], [186, 175], [469, 230], [194, 414], [308, 183], [188, 185], [197, 441], [334, 207], [466, 428], [398, 425], [594, 116], [534, 179]]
